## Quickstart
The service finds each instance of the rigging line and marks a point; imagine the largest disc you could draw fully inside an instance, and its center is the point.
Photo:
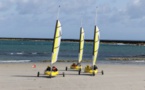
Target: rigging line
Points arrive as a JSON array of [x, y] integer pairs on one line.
[[58, 26], [82, 20], [81, 48], [59, 3], [58, 12], [96, 16], [96, 51], [82, 32], [58, 36], [97, 31], [81, 40], [56, 47], [96, 41]]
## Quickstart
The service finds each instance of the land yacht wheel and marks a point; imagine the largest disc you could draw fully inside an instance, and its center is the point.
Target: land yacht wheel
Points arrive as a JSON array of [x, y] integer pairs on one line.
[[80, 69], [93, 73], [50, 76], [63, 74], [66, 68], [79, 72], [102, 72], [38, 73]]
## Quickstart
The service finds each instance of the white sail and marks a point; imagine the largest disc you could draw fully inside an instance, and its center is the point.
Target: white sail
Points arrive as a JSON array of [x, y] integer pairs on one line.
[[81, 44], [96, 44], [56, 42]]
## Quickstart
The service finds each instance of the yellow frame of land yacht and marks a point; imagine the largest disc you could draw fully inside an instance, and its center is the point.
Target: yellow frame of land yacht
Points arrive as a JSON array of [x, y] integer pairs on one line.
[[51, 73], [77, 67], [90, 70]]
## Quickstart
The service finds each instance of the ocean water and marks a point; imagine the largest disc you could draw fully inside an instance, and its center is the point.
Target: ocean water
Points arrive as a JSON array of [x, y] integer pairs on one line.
[[37, 51]]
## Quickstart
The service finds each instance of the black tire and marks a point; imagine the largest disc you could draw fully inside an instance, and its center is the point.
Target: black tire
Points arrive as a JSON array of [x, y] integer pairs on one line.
[[80, 69], [38, 74], [63, 74], [50, 76], [79, 72], [93, 73], [102, 72], [66, 68]]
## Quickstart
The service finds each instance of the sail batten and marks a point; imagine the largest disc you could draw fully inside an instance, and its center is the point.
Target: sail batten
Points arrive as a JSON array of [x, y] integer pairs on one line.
[[81, 45], [96, 44], [56, 42]]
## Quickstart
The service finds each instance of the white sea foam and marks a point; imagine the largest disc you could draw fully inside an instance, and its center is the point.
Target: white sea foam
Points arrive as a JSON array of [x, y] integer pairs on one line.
[[34, 53], [12, 53], [14, 61], [19, 53], [140, 61], [121, 44]]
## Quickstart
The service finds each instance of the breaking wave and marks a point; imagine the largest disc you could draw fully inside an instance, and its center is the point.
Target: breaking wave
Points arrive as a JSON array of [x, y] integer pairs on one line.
[[14, 61]]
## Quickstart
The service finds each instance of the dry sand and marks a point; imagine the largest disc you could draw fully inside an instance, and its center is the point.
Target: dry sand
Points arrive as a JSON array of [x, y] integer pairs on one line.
[[22, 76]]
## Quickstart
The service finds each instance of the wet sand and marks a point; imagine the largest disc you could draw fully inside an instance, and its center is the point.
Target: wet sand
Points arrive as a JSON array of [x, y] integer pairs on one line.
[[21, 76]]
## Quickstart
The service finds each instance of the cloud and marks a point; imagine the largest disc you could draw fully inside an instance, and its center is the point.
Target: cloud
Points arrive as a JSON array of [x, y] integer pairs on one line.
[[136, 13], [132, 13], [4, 5], [31, 16], [39, 7], [74, 8], [122, 22], [136, 9], [31, 6]]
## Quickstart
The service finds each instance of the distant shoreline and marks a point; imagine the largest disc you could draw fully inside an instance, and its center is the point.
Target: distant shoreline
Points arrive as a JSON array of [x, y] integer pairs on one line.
[[135, 42]]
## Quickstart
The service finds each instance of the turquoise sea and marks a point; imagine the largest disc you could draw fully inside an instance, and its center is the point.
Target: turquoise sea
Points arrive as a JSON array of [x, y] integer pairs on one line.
[[37, 51]]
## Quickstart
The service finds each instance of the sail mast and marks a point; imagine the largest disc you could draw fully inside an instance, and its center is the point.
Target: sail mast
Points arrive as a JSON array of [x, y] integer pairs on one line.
[[56, 41], [81, 22], [58, 12], [81, 43], [96, 17], [96, 41]]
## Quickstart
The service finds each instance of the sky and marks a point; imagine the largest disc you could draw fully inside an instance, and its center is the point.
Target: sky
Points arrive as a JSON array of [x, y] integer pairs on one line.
[[116, 19]]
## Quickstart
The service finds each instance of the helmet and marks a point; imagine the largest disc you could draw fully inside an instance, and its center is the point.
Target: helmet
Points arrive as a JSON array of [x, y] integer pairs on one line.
[[53, 67]]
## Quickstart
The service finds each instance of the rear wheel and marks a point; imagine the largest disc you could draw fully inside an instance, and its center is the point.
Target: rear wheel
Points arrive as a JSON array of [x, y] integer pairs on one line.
[[50, 76], [80, 69], [63, 74], [38, 73], [79, 72], [66, 68], [93, 73], [102, 72]]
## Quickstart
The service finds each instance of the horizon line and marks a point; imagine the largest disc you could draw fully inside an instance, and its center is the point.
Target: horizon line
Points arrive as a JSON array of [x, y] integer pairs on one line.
[[76, 40]]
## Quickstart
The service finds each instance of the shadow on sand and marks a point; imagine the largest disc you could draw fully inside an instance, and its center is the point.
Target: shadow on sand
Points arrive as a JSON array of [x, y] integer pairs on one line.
[[28, 76]]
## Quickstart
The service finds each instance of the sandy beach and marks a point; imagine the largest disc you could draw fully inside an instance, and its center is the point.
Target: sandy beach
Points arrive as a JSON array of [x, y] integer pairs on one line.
[[21, 76]]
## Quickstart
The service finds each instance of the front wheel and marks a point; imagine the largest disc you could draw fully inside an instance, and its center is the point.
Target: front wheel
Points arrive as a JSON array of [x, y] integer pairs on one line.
[[79, 72], [63, 74], [38, 74], [66, 68], [102, 72], [93, 73], [50, 76]]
